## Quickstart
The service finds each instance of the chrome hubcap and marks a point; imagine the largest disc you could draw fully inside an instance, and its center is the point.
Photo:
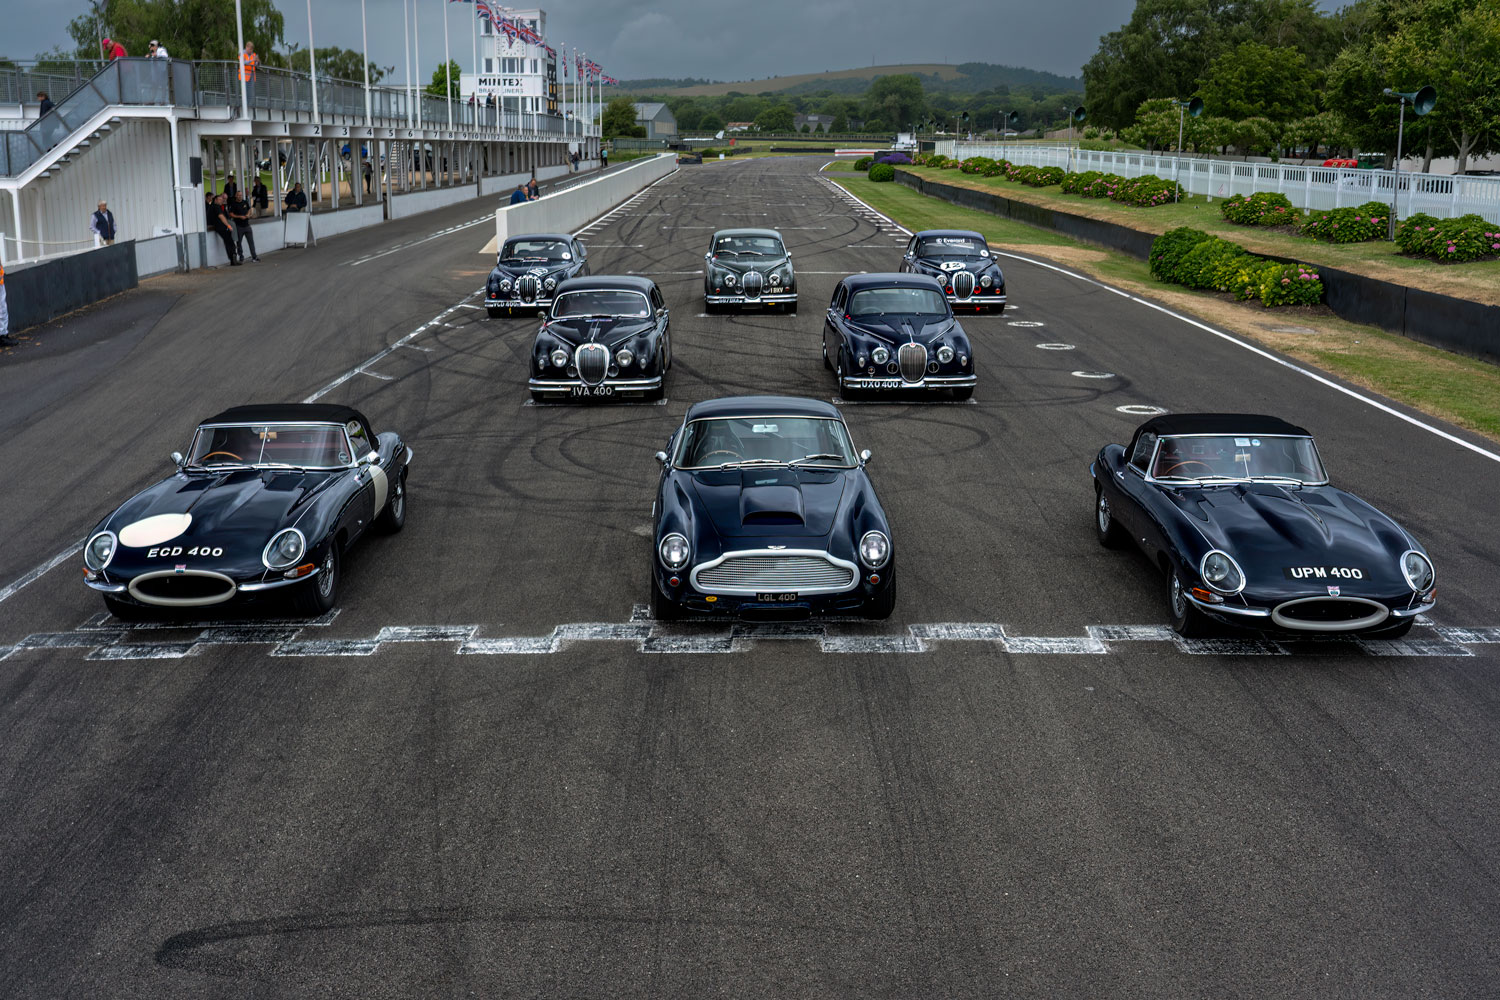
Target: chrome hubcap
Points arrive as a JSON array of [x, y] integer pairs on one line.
[[1179, 600], [398, 502], [325, 575], [1103, 513]]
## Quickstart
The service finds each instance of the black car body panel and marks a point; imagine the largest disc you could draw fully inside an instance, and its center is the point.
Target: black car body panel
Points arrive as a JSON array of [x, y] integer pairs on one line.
[[1308, 545], [851, 343], [803, 521], [749, 280], [590, 345], [518, 285], [961, 261], [202, 532]]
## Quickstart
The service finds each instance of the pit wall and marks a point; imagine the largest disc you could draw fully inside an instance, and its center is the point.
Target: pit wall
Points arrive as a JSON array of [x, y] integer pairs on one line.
[[565, 211]]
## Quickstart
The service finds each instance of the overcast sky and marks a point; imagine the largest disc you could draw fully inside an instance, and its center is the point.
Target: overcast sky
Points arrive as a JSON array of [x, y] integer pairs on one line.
[[698, 38]]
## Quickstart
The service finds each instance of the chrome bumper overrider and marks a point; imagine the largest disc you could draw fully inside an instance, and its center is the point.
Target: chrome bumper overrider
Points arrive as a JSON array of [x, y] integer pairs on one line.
[[895, 382], [566, 385], [774, 298]]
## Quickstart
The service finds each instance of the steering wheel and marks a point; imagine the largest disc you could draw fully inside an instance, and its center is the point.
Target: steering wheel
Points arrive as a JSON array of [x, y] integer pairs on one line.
[[724, 451], [1187, 461], [213, 453]]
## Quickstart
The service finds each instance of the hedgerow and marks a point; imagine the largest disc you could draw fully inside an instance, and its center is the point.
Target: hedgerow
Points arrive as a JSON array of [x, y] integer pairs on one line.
[[1196, 259], [1348, 225]]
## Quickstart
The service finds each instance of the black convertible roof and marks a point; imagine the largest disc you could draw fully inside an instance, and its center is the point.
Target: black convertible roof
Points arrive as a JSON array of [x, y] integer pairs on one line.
[[1219, 423], [267, 413], [756, 406]]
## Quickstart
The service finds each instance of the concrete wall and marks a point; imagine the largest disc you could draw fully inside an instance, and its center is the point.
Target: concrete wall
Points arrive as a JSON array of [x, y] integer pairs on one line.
[[36, 293], [565, 211], [505, 184], [156, 256]]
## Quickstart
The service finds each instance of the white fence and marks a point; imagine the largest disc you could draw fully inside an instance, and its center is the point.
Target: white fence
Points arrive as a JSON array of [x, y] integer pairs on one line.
[[1309, 188]]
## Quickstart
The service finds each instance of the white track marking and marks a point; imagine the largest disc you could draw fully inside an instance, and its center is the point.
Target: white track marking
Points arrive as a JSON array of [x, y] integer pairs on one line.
[[38, 572], [426, 239], [1230, 338]]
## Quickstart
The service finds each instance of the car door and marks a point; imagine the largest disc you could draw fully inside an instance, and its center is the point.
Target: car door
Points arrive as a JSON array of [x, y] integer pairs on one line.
[[663, 327], [581, 255], [369, 486], [1126, 486]]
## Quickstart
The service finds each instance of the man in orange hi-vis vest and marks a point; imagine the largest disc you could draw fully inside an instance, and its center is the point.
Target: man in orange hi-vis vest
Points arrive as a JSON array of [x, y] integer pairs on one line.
[[248, 62]]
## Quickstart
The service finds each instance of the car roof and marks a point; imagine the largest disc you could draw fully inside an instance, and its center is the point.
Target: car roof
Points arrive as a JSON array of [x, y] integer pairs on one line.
[[965, 233], [562, 237], [747, 231], [1216, 423], [756, 406], [272, 413], [890, 280], [631, 282]]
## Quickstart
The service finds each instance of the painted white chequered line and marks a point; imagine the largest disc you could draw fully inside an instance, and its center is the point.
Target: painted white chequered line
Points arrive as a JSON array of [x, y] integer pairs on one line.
[[104, 638]]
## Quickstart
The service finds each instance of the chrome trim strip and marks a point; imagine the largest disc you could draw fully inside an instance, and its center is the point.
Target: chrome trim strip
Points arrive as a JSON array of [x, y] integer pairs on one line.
[[1230, 608], [181, 602], [977, 297], [108, 588], [854, 573], [1369, 621], [1413, 612], [927, 382], [251, 588], [620, 385], [731, 300]]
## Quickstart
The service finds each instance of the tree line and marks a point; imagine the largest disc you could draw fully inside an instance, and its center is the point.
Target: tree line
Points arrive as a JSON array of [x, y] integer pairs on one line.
[[1278, 75]]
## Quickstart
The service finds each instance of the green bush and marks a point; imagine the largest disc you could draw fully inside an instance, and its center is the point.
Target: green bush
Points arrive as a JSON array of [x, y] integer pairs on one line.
[[1290, 285], [882, 172], [1345, 225], [996, 168], [863, 163], [1208, 264], [1466, 238], [1045, 176], [936, 160], [1075, 183], [1265, 208], [1102, 187], [1145, 192], [1193, 258], [1168, 249], [976, 164], [950, 164]]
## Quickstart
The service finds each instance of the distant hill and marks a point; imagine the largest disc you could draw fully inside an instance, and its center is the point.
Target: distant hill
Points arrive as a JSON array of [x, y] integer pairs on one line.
[[963, 78]]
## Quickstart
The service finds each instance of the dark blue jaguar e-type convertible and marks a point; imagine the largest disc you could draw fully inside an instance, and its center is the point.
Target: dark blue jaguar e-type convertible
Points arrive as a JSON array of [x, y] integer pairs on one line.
[[764, 511], [1238, 512]]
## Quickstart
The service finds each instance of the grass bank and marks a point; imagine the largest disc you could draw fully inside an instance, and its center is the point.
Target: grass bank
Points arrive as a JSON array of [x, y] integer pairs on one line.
[[1449, 386]]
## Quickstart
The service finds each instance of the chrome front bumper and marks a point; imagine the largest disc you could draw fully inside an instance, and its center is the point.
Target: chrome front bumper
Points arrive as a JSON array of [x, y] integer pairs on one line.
[[240, 588], [977, 300], [896, 382], [514, 304], [770, 298], [565, 386], [1264, 614]]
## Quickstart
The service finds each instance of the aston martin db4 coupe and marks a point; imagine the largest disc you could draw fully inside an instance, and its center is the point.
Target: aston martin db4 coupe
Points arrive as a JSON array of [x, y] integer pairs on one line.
[[961, 261], [749, 268], [266, 502], [605, 336], [528, 271], [895, 331], [1238, 512], [764, 511]]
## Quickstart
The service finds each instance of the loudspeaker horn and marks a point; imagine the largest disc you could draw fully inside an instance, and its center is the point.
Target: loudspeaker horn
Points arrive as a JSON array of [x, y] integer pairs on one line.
[[1195, 107], [1079, 115], [1422, 100]]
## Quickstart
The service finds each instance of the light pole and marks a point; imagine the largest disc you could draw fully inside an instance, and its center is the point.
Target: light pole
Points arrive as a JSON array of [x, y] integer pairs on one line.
[[1193, 107], [1422, 101], [312, 62], [1075, 115], [447, 67], [364, 35], [239, 59]]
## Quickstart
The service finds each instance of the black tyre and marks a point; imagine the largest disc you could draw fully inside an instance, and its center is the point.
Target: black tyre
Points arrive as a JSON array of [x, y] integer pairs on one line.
[[126, 611], [826, 363], [319, 594], [393, 518], [1106, 528], [663, 608], [1187, 620], [880, 608], [711, 308], [963, 392]]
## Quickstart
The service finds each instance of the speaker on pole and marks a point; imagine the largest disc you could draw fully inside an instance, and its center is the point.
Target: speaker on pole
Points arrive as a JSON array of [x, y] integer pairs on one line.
[[1195, 107], [1079, 116]]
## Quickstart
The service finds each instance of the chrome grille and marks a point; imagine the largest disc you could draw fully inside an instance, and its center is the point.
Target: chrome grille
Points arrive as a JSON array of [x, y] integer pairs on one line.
[[187, 588], [1330, 614], [592, 361], [963, 284], [913, 359], [751, 573], [753, 283], [526, 287]]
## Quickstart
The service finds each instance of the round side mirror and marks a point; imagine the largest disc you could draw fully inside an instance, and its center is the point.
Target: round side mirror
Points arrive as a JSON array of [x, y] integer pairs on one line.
[[177, 459], [864, 456], [661, 457]]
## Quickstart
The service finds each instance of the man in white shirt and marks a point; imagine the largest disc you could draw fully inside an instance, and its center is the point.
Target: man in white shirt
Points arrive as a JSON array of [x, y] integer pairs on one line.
[[158, 50]]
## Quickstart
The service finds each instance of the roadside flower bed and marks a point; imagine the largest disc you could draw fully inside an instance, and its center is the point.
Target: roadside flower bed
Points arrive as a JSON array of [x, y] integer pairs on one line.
[[1466, 238], [1348, 225], [1265, 208], [1193, 258]]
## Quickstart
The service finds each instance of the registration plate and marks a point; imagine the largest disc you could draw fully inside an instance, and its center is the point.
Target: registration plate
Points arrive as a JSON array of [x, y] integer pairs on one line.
[[1324, 572], [884, 383], [782, 598], [593, 390]]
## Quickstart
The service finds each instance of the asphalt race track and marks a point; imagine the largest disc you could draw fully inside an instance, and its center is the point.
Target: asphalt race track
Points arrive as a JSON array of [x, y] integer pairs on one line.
[[488, 773]]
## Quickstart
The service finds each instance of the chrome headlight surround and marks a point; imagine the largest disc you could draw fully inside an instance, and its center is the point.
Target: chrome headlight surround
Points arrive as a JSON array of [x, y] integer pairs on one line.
[[1418, 570], [279, 556], [944, 354], [549, 284], [775, 277], [505, 286], [986, 281], [1223, 575], [92, 557], [623, 357], [880, 355], [674, 551], [874, 549], [729, 278], [559, 358]]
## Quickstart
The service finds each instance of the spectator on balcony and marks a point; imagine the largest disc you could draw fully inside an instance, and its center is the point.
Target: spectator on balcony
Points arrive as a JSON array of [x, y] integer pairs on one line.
[[112, 49], [220, 223], [296, 199], [239, 214], [249, 62], [102, 225], [260, 198], [158, 50], [44, 103]]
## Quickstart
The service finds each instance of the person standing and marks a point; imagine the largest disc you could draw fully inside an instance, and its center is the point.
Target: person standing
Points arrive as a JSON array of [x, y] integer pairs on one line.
[[603, 158], [532, 191], [5, 339], [231, 188], [220, 223], [112, 49], [102, 225], [44, 103], [249, 62], [260, 198], [239, 213], [369, 171], [158, 50], [296, 199]]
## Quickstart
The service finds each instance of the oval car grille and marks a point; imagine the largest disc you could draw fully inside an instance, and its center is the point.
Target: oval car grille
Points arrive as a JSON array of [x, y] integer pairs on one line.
[[774, 572], [592, 361], [753, 283], [963, 284], [526, 287], [186, 588], [1329, 614], [913, 359]]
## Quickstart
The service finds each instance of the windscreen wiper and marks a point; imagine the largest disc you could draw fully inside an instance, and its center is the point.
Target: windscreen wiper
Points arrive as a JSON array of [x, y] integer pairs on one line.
[[809, 458]]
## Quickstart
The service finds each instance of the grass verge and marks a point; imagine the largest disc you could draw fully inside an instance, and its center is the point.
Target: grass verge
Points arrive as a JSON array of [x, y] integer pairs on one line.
[[1476, 280], [1449, 386]]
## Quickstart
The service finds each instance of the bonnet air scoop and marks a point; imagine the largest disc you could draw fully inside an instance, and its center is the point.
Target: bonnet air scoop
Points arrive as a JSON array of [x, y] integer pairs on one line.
[[779, 504]]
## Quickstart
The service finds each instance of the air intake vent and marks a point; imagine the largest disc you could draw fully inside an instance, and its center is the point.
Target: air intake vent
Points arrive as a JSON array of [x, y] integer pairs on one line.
[[963, 284], [526, 287], [754, 573]]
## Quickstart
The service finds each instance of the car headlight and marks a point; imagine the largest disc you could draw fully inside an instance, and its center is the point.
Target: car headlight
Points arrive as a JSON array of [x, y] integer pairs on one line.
[[623, 357], [880, 355], [986, 281], [1416, 567], [505, 286], [775, 277], [874, 549], [1221, 572], [284, 549], [550, 284], [729, 279], [945, 354], [559, 358], [674, 551], [100, 550]]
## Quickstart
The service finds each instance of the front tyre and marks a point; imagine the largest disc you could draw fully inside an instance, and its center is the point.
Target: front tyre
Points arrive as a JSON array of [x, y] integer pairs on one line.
[[393, 518], [663, 608], [1187, 620], [880, 607], [1106, 529], [319, 594]]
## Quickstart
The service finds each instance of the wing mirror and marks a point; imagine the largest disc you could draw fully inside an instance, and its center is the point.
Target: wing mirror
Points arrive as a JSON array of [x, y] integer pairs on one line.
[[909, 256], [864, 457], [370, 459], [177, 459], [661, 457]]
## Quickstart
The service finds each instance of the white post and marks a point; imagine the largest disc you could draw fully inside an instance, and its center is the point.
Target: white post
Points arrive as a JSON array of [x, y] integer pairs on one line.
[[364, 35], [416, 51], [406, 54], [239, 59], [447, 65], [474, 38], [312, 64]]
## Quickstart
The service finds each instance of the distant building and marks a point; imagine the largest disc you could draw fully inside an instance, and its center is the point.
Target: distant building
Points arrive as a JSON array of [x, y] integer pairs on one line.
[[521, 76], [739, 126], [818, 123], [657, 119]]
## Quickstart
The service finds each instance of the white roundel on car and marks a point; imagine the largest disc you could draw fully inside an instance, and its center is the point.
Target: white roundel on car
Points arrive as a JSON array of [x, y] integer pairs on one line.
[[154, 530]]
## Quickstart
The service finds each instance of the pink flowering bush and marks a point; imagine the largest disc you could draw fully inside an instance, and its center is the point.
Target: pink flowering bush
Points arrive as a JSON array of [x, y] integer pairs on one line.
[[1146, 192], [1193, 258], [1348, 225], [1469, 237], [1290, 285], [1265, 208]]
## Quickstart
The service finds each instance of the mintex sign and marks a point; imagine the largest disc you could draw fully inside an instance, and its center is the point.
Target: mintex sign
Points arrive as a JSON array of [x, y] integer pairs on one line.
[[501, 85]]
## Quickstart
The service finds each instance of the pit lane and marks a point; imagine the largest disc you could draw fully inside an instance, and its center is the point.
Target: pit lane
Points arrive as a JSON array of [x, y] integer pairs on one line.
[[1020, 784]]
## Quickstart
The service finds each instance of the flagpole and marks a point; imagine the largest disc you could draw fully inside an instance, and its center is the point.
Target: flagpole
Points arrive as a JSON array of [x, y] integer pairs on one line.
[[416, 51], [312, 60], [239, 57], [474, 37], [406, 54], [447, 65], [364, 35]]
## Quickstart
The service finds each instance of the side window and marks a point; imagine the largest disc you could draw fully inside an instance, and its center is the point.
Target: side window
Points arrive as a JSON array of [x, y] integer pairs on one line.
[[911, 247], [1144, 446], [838, 298], [656, 300], [580, 250]]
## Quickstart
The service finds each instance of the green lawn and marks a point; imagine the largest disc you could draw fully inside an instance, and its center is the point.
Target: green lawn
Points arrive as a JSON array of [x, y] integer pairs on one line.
[[1445, 385]]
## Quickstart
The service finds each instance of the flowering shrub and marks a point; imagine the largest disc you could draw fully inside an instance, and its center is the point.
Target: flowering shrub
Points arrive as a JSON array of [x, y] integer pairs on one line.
[[1168, 249], [1347, 225], [1290, 285], [897, 159], [1102, 187], [976, 164], [1145, 192], [1466, 238], [863, 163], [996, 168], [950, 164], [1265, 208], [1074, 183], [1193, 258], [882, 172], [933, 160]]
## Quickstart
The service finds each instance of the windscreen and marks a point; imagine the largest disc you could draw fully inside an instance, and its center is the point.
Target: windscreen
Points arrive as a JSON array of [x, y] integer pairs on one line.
[[519, 251], [749, 246], [602, 302], [734, 441], [1238, 457], [952, 246], [902, 301], [305, 446]]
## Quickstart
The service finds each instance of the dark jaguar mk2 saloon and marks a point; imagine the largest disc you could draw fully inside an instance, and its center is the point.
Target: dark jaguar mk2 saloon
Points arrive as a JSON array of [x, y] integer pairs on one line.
[[266, 502], [748, 268], [894, 332], [764, 510], [1238, 512], [605, 336], [961, 261], [528, 271]]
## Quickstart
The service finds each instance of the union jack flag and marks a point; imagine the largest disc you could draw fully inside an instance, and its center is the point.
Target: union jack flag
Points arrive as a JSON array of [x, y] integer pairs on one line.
[[610, 81], [485, 10]]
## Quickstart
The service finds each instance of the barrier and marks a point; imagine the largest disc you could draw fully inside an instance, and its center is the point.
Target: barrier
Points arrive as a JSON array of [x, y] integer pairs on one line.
[[44, 291], [157, 256], [1453, 324], [564, 211]]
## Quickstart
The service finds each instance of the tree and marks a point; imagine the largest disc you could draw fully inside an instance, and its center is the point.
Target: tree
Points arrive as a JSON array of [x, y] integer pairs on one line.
[[840, 123], [875, 125], [620, 120], [338, 64], [776, 119], [710, 122], [1255, 80], [439, 76], [190, 29], [898, 97]]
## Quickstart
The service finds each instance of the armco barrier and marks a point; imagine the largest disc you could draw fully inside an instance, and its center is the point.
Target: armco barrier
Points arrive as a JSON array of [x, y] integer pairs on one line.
[[1454, 324], [566, 210], [40, 292]]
